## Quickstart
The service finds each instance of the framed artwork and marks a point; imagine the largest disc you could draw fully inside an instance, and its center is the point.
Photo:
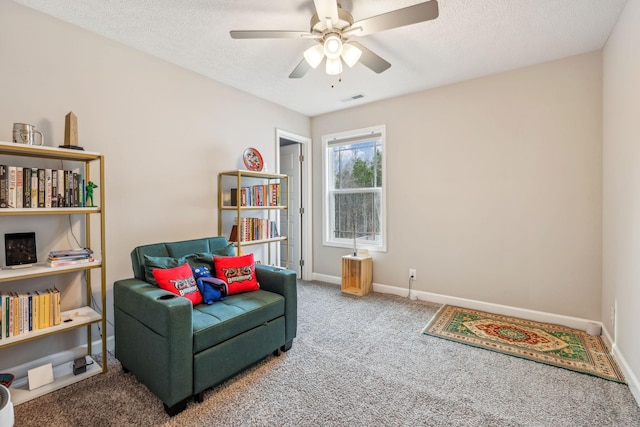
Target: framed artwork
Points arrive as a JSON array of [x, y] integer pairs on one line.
[[20, 249]]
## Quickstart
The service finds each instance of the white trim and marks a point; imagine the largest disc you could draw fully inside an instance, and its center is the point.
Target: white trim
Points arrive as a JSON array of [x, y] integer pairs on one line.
[[632, 379], [505, 310], [307, 218], [327, 279], [538, 316], [63, 357]]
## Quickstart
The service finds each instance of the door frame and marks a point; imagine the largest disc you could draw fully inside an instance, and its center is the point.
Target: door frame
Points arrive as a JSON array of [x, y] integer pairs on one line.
[[306, 232]]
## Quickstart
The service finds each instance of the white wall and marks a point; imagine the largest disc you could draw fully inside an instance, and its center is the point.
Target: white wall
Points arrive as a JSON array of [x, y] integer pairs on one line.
[[494, 188], [165, 132], [621, 188]]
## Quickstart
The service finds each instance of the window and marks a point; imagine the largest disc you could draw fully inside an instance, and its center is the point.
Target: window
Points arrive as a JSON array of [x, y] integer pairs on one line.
[[354, 183]]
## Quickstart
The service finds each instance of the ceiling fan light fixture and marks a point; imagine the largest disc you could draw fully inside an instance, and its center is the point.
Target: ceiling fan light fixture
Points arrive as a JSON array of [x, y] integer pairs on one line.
[[333, 47], [334, 66], [350, 54], [314, 55]]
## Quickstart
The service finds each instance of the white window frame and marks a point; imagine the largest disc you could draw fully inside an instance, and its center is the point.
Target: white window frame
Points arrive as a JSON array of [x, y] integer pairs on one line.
[[350, 137]]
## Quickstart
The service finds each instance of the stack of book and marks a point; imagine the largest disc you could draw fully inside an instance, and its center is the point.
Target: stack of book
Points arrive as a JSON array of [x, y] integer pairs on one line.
[[24, 312], [69, 257]]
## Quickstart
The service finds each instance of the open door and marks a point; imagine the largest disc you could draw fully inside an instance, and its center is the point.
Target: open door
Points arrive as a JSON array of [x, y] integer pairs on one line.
[[294, 162]]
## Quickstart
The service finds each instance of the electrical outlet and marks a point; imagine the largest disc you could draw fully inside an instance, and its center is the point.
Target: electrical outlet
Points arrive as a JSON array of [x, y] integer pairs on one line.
[[613, 317], [412, 274]]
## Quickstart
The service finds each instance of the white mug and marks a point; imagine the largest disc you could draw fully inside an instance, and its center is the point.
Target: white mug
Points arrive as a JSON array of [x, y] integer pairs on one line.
[[24, 134]]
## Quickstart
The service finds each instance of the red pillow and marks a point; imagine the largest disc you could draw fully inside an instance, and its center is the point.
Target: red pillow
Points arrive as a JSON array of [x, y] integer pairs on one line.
[[179, 280], [238, 271]]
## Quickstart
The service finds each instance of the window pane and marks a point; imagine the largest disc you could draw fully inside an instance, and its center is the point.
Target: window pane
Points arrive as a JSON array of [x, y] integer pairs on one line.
[[358, 165], [354, 188], [357, 213]]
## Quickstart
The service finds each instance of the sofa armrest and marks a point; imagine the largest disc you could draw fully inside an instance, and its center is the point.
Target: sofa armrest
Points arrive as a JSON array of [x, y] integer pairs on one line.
[[154, 338], [156, 308], [283, 282]]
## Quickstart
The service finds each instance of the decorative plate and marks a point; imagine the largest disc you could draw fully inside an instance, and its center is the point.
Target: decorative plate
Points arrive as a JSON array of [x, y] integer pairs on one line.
[[6, 379], [253, 159]]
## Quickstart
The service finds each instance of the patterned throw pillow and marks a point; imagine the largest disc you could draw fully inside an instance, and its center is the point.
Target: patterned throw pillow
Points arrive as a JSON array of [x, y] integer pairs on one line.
[[239, 272], [179, 280]]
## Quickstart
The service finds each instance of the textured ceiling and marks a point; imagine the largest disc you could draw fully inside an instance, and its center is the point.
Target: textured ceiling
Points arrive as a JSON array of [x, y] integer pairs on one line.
[[470, 39]]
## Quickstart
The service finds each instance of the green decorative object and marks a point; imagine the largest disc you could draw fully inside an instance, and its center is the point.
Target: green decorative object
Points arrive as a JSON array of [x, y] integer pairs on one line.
[[546, 343], [90, 187]]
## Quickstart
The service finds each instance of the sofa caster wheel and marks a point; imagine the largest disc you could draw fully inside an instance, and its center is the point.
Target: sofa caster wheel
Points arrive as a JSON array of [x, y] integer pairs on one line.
[[287, 346], [175, 409], [277, 352], [125, 370], [199, 397]]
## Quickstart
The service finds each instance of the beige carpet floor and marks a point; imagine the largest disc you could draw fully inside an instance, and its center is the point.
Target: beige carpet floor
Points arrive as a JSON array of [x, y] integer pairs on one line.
[[358, 361]]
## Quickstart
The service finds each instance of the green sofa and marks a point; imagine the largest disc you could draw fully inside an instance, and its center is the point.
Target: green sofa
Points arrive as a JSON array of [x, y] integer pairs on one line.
[[178, 350]]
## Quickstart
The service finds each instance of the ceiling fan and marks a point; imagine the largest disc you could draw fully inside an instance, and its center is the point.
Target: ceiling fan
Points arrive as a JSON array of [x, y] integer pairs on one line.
[[332, 27]]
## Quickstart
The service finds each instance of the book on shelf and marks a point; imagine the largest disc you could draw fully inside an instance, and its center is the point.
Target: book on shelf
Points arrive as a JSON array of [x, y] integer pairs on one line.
[[4, 189], [233, 236], [26, 187], [41, 187], [19, 187], [60, 187], [70, 252], [45, 309], [67, 257], [234, 197], [65, 262], [12, 186], [47, 187], [54, 188], [24, 312], [34, 187]]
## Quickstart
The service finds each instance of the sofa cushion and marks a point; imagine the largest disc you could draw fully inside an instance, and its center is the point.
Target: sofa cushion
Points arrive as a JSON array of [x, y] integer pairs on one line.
[[153, 262], [179, 280], [177, 250], [197, 259], [238, 271], [213, 324]]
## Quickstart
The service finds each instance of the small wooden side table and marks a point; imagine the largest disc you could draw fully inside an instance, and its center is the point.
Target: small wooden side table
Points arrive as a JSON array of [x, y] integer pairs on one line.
[[357, 274]]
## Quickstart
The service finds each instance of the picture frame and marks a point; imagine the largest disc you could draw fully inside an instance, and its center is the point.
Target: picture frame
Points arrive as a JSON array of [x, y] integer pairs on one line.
[[20, 249]]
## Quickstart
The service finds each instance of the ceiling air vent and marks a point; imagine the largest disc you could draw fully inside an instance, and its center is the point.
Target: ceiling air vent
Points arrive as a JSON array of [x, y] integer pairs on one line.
[[353, 98]]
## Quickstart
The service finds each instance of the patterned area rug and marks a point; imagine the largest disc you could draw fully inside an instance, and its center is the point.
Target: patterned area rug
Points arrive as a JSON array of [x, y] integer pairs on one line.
[[541, 342]]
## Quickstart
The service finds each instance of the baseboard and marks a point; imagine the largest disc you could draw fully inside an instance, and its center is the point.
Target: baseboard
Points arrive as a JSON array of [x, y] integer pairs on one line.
[[61, 357], [506, 310], [328, 279], [632, 379]]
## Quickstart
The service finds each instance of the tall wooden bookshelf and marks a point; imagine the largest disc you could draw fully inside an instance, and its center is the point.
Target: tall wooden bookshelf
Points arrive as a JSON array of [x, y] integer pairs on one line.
[[78, 317], [232, 209]]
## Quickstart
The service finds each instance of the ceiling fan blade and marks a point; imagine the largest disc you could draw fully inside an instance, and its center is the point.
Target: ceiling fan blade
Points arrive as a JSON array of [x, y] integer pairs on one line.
[[300, 70], [327, 9], [398, 18], [370, 59], [268, 34]]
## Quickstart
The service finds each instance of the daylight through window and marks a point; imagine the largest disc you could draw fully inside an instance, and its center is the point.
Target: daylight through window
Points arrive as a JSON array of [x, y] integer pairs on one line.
[[354, 183]]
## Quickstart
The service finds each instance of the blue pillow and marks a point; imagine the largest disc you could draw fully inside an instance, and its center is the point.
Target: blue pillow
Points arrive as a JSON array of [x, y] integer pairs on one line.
[[211, 288]]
